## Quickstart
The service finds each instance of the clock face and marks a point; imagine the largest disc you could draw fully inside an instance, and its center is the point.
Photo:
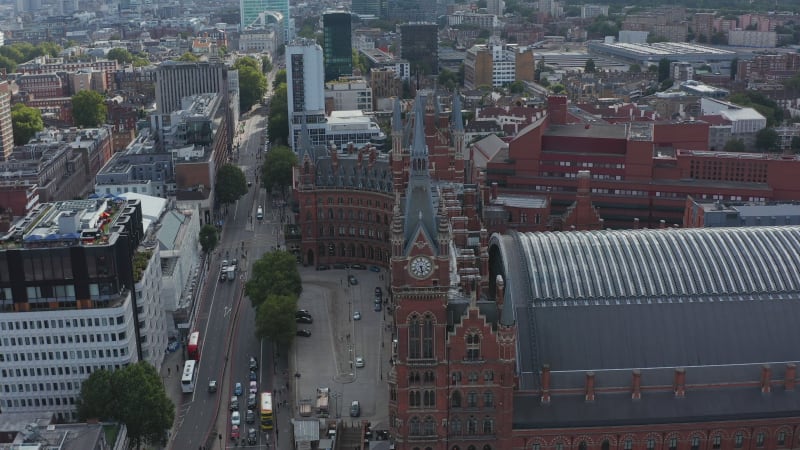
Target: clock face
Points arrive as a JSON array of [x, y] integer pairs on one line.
[[420, 267]]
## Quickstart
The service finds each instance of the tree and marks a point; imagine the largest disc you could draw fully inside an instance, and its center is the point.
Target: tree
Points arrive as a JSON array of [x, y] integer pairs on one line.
[[122, 55], [767, 139], [231, 184], [663, 69], [188, 57], [557, 88], [135, 396], [278, 122], [252, 86], [273, 274], [516, 87], [276, 172], [88, 109], [208, 238], [25, 122], [96, 400], [275, 319], [589, 67], [280, 78], [7, 63], [143, 405], [266, 64], [248, 61], [635, 68], [448, 79], [734, 145]]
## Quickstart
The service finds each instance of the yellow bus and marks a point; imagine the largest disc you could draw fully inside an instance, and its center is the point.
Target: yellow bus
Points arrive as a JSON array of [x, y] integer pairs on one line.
[[266, 411]]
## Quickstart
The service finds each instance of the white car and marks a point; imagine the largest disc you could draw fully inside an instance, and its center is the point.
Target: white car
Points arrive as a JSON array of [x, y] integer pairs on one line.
[[253, 387], [236, 418], [359, 362], [356, 315]]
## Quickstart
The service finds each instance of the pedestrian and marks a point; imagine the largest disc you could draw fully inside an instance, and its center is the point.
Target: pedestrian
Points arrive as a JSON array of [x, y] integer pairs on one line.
[[168, 371], [177, 368]]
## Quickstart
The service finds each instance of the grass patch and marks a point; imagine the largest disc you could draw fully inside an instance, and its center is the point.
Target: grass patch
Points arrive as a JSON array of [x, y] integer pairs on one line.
[[111, 432]]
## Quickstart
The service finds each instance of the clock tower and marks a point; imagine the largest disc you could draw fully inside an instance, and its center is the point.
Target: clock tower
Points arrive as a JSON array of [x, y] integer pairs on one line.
[[452, 376]]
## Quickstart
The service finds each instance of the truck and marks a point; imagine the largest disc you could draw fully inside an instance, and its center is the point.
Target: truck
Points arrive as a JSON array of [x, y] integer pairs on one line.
[[306, 408], [323, 394]]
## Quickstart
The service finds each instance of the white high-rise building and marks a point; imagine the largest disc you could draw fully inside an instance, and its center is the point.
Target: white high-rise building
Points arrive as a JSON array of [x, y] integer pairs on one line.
[[305, 82]]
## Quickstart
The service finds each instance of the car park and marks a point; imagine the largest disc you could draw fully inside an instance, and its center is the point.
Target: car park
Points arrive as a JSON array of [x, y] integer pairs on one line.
[[357, 315], [355, 409], [237, 389], [234, 432], [253, 387], [236, 418], [234, 406], [359, 362], [212, 386], [352, 280], [304, 333], [250, 416]]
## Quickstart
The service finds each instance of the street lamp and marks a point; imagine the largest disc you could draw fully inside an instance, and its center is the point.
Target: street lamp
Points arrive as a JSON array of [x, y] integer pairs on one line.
[[336, 396]]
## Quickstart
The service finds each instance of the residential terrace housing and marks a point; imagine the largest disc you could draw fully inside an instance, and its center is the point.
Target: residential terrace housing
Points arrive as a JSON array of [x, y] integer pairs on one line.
[[54, 165]]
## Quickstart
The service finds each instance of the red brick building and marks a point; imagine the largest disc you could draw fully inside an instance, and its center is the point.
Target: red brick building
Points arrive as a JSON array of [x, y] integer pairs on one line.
[[638, 170]]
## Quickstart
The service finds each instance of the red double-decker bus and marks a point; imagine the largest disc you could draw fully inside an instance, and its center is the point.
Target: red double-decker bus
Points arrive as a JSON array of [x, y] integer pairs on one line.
[[194, 346]]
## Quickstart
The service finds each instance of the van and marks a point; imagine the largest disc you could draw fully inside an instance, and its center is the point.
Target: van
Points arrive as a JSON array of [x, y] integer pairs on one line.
[[260, 213]]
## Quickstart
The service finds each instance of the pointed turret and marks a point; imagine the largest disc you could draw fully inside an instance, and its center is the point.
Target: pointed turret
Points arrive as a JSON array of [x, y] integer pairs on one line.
[[457, 121], [304, 146], [420, 213]]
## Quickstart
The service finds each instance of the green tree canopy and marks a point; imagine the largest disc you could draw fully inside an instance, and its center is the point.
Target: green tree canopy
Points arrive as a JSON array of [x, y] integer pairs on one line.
[[266, 64], [135, 396], [274, 274], [188, 57], [280, 78], [767, 139], [278, 121], [231, 184], [122, 55], [25, 122], [208, 237], [276, 172], [557, 88], [734, 145], [448, 79], [516, 87], [589, 67], [275, 319], [88, 109], [248, 61], [252, 84]]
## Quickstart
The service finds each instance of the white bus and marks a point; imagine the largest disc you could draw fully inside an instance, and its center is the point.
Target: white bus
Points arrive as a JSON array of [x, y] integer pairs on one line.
[[189, 378]]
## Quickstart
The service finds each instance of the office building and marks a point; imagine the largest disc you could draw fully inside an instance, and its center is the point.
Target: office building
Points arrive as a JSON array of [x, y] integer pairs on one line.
[[305, 83], [337, 44], [348, 94], [369, 8], [590, 11], [6, 132], [739, 214], [176, 80], [69, 304], [748, 38], [498, 64], [419, 45], [249, 11]]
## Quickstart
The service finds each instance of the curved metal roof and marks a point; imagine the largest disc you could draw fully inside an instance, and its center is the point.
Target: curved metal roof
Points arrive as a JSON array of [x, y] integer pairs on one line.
[[661, 263]]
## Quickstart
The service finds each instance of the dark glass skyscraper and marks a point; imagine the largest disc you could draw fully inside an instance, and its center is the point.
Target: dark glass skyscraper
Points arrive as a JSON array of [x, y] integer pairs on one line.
[[337, 47]]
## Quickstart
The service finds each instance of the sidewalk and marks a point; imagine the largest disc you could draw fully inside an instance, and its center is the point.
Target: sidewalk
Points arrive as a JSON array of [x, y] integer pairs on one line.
[[171, 371]]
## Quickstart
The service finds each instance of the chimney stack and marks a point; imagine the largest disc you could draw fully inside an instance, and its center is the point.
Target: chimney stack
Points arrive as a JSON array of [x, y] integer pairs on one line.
[[637, 384], [546, 384], [680, 382], [635, 223], [766, 379], [791, 374], [662, 224], [589, 386], [494, 190]]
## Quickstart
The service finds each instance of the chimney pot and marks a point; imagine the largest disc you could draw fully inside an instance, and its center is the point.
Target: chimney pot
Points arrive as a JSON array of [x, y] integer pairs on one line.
[[546, 384], [680, 382], [662, 224], [766, 379], [590, 386], [791, 374], [635, 223], [637, 384]]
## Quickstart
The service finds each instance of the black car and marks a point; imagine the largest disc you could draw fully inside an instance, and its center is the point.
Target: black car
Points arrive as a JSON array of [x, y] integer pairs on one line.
[[253, 363], [253, 375], [302, 313], [304, 333], [340, 266], [251, 401], [250, 416], [358, 266], [323, 267], [378, 291], [251, 436], [304, 319]]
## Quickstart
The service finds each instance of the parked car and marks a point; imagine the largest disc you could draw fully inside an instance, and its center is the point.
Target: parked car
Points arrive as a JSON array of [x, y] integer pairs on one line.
[[352, 280], [234, 406], [250, 416], [377, 307], [212, 386], [323, 267], [304, 319], [359, 362], [340, 266], [375, 269], [252, 436], [237, 389], [302, 312], [304, 333], [236, 418], [234, 432], [378, 291], [358, 266], [253, 387], [357, 315], [355, 409], [252, 401]]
